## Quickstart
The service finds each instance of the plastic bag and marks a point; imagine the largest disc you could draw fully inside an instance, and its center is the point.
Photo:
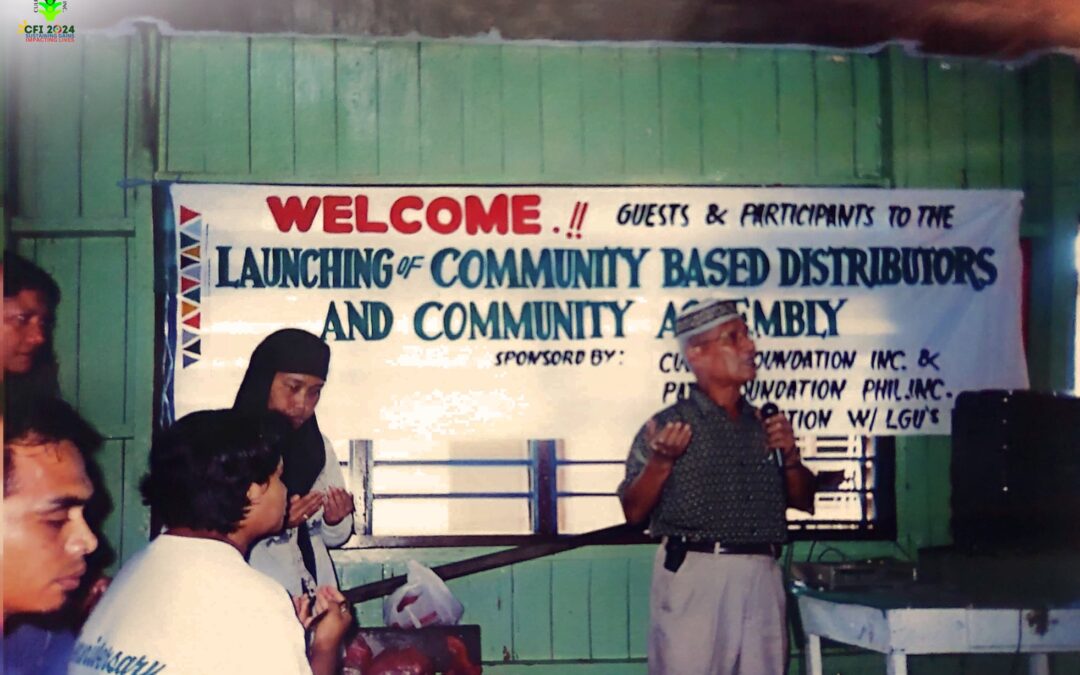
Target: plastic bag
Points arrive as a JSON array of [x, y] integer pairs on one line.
[[424, 600]]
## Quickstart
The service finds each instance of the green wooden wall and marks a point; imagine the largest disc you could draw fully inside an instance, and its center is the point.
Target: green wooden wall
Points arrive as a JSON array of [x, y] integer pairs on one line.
[[75, 135], [117, 112]]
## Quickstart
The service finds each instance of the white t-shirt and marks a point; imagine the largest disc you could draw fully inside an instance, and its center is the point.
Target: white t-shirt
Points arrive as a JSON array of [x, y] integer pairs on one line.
[[187, 606]]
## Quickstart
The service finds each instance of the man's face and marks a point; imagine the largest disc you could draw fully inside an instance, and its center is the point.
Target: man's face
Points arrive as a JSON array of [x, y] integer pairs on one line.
[[724, 355], [26, 328], [295, 395], [46, 536]]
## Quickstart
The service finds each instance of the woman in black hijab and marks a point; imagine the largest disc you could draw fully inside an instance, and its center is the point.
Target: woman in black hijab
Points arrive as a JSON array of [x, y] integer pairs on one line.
[[286, 375]]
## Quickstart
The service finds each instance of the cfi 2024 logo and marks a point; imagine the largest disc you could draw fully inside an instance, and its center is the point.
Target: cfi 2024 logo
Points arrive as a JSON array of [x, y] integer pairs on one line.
[[51, 31]]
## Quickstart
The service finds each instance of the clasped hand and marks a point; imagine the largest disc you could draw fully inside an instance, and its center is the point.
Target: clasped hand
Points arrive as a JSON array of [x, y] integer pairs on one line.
[[336, 503]]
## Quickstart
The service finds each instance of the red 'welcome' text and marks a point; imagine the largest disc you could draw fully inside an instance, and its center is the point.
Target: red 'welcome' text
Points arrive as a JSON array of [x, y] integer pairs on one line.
[[409, 214]]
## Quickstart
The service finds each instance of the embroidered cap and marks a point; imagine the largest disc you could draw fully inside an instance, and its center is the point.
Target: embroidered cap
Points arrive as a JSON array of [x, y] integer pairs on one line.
[[698, 318]]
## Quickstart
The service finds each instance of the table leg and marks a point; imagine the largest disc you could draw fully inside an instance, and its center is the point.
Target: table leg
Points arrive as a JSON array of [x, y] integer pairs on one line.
[[896, 664], [813, 654], [1039, 664]]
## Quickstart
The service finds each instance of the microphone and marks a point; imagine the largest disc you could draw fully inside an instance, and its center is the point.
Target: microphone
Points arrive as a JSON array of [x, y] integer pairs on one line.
[[769, 410]]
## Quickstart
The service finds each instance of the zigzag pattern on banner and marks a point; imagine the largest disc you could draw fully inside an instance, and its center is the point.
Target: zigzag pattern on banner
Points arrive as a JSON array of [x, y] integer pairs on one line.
[[189, 251]]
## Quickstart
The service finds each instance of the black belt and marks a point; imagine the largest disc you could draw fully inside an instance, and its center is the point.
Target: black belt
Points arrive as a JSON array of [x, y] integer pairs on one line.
[[734, 549], [676, 548]]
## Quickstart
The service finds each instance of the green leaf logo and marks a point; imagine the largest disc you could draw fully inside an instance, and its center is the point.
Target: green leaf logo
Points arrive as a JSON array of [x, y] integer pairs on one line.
[[50, 9]]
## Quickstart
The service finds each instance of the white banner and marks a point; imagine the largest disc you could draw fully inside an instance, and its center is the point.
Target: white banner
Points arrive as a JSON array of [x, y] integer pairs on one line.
[[532, 312]]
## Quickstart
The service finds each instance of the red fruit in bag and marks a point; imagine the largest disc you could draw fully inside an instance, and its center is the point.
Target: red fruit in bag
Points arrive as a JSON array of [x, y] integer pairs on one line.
[[459, 656], [408, 661], [358, 654]]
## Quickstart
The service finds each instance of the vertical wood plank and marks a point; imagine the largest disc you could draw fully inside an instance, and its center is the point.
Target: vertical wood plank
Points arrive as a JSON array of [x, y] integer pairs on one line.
[[868, 114], [916, 124], [560, 111], [1063, 331], [639, 583], [601, 113], [982, 124], [61, 259], [680, 112], [938, 472], [835, 141], [105, 512], [315, 107], [185, 141], [569, 608], [641, 113], [1066, 121], [373, 608], [357, 109], [1012, 129], [945, 78], [228, 141], [1064, 131], [759, 142], [29, 120], [1041, 313], [482, 86], [139, 364], [532, 610], [354, 573], [102, 300], [797, 115], [135, 517], [58, 139], [490, 595], [399, 108], [138, 352], [1038, 195], [912, 495], [441, 111], [522, 148], [894, 140], [720, 116], [104, 126], [272, 107], [608, 608]]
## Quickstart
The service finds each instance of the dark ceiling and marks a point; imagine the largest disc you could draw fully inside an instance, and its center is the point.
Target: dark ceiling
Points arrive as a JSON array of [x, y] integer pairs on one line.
[[998, 28]]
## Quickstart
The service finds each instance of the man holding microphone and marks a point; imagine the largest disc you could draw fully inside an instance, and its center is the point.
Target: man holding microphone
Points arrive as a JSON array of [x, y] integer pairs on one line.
[[706, 473]]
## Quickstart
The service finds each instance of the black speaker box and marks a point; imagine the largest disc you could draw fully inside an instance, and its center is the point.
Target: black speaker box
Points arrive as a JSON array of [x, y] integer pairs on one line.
[[1015, 471]]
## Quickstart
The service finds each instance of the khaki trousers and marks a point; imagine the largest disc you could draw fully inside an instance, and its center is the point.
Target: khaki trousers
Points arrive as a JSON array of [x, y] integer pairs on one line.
[[720, 614]]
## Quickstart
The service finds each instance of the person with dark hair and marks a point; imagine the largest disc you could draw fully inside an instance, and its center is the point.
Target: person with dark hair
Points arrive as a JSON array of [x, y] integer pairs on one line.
[[46, 537], [188, 603], [31, 373], [30, 300], [286, 375]]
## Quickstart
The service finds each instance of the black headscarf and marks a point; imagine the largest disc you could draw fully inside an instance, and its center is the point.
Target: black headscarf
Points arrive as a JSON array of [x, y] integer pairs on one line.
[[289, 350]]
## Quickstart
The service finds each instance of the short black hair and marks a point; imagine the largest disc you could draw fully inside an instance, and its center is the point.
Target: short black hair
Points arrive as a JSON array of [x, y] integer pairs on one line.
[[202, 466], [43, 420], [22, 275]]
